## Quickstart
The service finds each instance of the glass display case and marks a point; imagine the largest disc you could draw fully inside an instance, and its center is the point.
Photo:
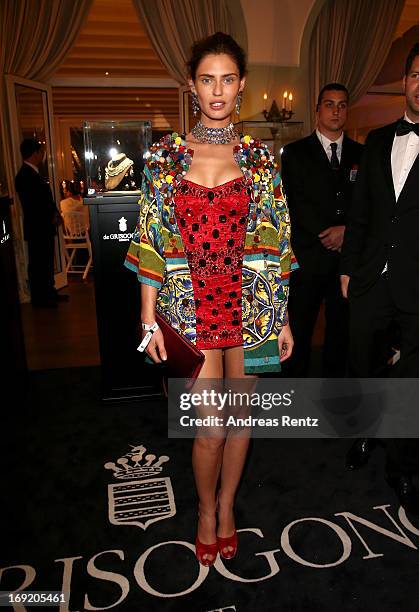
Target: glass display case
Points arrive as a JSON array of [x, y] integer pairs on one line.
[[113, 152]]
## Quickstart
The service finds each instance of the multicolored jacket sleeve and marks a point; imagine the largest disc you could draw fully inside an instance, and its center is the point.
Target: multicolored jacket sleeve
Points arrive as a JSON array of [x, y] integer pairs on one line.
[[146, 252], [281, 219]]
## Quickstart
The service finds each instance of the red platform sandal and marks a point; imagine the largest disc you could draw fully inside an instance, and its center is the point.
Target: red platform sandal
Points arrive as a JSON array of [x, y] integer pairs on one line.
[[202, 549], [225, 543]]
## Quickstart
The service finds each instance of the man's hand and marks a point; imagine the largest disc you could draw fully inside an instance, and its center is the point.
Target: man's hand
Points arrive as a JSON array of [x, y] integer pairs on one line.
[[332, 237], [285, 343], [344, 282]]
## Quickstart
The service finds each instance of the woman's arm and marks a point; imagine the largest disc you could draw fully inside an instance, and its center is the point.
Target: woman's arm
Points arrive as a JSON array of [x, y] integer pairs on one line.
[[285, 341], [145, 257], [155, 348], [288, 263]]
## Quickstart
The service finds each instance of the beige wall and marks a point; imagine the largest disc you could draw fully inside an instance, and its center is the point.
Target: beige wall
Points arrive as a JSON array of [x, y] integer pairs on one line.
[[282, 64], [374, 110], [275, 32], [274, 80]]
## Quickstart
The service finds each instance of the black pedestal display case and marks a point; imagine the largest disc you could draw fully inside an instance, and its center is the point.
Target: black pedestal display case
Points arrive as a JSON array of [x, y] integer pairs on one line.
[[125, 374], [12, 345]]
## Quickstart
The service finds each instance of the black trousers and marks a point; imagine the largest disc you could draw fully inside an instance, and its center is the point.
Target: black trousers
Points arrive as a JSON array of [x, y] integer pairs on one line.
[[307, 292], [371, 316], [41, 267]]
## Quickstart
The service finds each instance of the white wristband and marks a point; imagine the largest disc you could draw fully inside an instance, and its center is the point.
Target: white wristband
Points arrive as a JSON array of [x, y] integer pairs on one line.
[[150, 329], [147, 327]]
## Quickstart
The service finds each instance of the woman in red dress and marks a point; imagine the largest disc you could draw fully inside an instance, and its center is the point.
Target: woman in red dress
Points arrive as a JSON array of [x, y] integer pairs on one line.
[[212, 213]]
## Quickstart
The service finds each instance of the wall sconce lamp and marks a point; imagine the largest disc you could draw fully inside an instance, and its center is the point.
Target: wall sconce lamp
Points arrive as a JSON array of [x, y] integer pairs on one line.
[[274, 114]]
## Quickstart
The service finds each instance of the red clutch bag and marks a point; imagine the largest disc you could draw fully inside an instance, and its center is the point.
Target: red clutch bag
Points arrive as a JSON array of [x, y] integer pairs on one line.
[[184, 360]]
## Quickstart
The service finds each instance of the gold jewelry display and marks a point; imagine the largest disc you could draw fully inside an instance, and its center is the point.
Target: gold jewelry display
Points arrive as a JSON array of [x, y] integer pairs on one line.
[[116, 169]]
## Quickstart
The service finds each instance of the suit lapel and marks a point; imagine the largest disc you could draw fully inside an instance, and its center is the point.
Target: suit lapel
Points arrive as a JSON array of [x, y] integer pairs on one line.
[[318, 152], [386, 159], [321, 154], [346, 159]]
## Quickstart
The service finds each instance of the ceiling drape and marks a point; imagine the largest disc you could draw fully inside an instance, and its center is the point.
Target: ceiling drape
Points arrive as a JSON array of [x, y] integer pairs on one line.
[[350, 43], [393, 69], [36, 35], [174, 25]]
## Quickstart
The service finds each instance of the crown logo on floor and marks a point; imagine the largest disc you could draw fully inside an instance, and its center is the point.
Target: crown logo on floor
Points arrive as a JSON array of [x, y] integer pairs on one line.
[[136, 464]]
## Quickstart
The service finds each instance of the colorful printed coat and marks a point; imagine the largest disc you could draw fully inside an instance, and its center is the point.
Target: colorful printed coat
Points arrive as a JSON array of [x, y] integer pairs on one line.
[[157, 253]]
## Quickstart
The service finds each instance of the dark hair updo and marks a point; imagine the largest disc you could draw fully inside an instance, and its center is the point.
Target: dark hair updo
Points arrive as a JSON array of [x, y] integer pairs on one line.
[[215, 45]]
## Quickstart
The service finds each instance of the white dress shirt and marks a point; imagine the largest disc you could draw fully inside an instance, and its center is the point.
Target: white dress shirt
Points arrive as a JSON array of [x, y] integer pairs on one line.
[[326, 142], [403, 154]]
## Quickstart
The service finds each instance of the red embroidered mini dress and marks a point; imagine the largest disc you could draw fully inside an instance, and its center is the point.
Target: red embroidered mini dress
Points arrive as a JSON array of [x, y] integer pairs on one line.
[[212, 223]]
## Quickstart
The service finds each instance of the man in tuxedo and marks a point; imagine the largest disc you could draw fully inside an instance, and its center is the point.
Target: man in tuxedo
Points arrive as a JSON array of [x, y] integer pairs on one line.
[[41, 218], [380, 268], [318, 174]]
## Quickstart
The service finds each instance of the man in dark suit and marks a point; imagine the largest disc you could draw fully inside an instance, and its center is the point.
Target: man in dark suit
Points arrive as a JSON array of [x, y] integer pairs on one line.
[[41, 218], [380, 267], [318, 174]]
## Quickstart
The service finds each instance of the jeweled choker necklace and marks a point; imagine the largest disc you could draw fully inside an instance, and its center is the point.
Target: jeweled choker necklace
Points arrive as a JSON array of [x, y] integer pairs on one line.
[[209, 135]]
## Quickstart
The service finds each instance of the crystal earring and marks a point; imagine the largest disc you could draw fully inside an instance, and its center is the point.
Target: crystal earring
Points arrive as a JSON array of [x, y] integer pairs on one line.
[[195, 104], [238, 102]]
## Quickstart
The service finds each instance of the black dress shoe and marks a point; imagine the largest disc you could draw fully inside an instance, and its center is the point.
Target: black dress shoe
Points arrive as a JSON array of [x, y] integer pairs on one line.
[[359, 453], [406, 492]]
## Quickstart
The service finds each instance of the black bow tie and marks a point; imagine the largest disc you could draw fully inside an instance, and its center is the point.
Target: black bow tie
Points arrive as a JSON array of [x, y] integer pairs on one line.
[[405, 127]]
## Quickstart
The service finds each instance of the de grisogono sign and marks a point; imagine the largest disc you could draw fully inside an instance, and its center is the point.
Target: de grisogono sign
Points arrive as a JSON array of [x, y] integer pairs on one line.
[[141, 496]]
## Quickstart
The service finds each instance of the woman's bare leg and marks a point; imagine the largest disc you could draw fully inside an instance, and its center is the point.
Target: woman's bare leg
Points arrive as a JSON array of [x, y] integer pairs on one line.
[[207, 456], [235, 449]]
